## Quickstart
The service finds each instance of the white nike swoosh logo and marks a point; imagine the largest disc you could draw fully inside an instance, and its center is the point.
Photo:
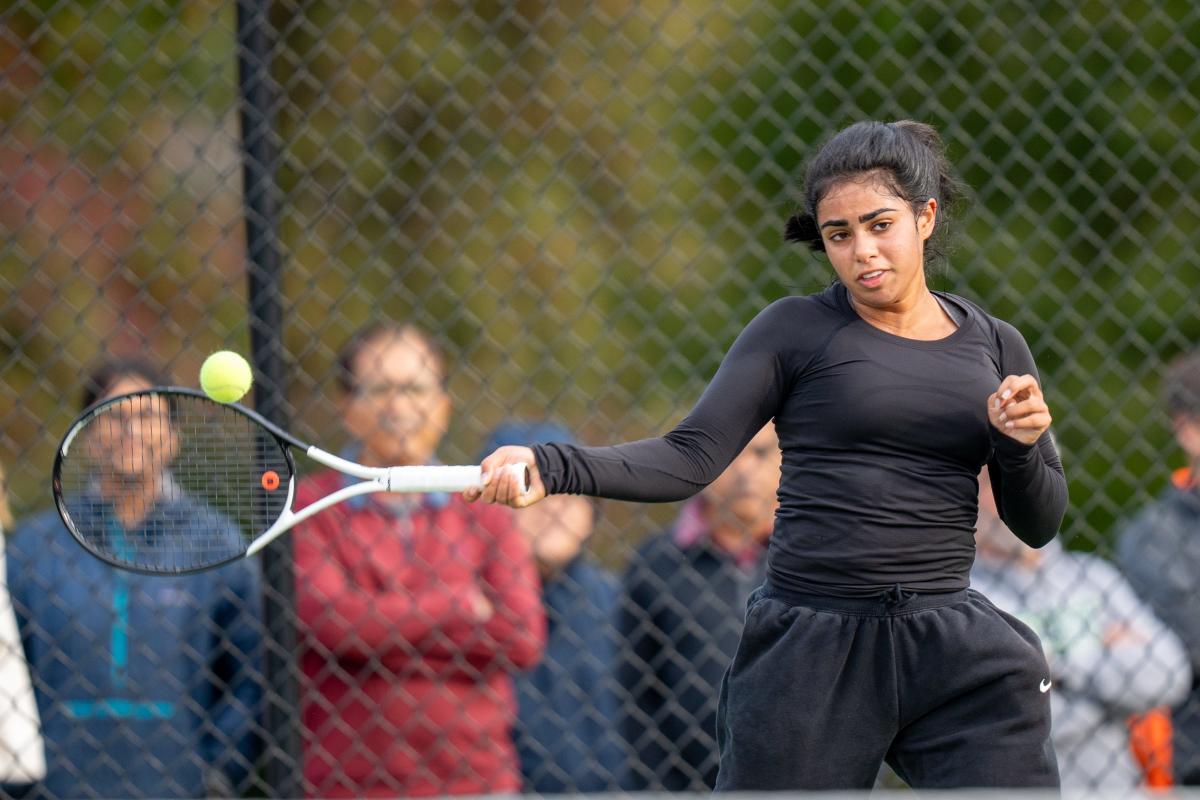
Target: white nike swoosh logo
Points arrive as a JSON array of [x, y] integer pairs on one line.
[[1044, 687]]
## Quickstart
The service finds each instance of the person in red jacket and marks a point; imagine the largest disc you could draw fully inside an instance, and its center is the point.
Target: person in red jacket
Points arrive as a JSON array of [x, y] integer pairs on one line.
[[415, 609]]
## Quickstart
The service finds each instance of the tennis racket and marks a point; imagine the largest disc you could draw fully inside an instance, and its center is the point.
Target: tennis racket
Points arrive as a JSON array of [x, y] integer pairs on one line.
[[168, 481]]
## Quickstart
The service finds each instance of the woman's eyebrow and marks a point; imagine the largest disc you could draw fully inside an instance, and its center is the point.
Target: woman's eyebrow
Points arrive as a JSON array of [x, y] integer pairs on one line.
[[873, 214], [870, 215]]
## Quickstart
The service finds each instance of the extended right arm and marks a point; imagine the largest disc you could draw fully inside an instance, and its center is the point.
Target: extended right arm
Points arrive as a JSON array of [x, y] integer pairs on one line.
[[742, 397]]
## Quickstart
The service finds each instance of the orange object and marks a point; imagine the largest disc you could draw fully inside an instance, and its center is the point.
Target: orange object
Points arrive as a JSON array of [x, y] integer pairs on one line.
[[270, 480], [1150, 739], [1184, 479]]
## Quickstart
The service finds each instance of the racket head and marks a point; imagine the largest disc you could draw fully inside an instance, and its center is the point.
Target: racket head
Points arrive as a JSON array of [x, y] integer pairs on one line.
[[167, 481]]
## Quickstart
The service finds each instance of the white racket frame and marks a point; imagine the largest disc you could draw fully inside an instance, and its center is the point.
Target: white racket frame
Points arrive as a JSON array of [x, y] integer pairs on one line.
[[396, 480]]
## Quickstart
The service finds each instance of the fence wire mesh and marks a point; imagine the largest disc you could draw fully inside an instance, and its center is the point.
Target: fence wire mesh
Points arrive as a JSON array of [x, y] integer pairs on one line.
[[582, 204]]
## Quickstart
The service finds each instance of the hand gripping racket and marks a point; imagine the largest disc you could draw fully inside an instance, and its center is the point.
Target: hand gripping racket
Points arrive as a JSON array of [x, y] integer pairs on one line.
[[168, 481]]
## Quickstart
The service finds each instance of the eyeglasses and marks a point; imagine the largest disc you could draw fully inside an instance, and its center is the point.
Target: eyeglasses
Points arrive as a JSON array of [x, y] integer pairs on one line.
[[409, 391]]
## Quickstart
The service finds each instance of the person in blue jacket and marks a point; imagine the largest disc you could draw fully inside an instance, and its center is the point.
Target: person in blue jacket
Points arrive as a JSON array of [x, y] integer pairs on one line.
[[566, 733], [147, 686]]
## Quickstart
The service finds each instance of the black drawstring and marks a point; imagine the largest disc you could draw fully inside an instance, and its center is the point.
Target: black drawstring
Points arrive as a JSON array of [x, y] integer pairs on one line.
[[895, 595]]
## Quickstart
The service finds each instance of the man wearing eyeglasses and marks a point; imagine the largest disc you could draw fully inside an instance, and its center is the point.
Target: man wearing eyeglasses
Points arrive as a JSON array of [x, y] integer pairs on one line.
[[416, 609]]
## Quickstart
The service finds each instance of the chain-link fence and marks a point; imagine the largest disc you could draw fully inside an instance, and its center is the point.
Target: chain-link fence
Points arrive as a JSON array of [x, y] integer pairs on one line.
[[582, 203]]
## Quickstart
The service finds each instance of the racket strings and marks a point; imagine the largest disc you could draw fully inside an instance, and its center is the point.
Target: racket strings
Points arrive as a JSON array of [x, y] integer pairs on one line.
[[172, 483]]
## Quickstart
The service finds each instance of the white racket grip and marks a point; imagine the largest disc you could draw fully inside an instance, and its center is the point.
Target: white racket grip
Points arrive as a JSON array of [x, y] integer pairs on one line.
[[445, 479]]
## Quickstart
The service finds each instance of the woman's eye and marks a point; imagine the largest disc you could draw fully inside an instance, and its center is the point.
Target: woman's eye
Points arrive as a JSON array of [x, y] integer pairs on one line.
[[882, 225], [837, 236]]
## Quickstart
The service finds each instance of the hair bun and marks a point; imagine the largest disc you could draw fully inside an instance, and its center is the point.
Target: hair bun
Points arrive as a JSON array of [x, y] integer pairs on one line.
[[803, 228]]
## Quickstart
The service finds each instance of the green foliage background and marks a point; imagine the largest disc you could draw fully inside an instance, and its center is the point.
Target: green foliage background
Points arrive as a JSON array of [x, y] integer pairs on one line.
[[585, 199]]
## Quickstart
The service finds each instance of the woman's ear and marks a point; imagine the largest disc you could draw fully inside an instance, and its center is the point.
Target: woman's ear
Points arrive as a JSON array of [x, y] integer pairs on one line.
[[927, 218]]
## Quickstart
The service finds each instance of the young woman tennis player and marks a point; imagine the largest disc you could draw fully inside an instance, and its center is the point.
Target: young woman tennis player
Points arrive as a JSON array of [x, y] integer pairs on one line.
[[865, 644]]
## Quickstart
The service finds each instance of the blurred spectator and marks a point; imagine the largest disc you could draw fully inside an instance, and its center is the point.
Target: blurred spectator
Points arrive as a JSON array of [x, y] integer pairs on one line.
[[1110, 656], [1159, 550], [414, 609], [147, 685], [566, 733], [22, 756], [681, 615]]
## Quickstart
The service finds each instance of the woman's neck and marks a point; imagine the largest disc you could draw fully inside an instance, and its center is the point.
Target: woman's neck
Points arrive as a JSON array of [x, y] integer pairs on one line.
[[924, 318]]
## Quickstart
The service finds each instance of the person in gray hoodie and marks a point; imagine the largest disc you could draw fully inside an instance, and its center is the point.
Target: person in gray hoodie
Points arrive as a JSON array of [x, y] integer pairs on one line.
[[1159, 551], [1110, 656]]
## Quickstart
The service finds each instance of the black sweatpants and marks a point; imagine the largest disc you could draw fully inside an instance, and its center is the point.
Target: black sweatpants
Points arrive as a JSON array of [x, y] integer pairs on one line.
[[948, 689]]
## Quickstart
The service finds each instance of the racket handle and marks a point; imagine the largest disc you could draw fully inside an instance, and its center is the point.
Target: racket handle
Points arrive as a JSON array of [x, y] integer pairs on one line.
[[444, 479]]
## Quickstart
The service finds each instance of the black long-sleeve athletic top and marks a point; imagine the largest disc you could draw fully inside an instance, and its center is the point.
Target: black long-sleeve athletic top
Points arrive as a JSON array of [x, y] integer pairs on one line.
[[883, 439]]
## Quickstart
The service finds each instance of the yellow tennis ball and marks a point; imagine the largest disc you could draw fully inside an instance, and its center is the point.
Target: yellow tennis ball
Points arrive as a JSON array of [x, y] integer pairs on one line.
[[225, 376]]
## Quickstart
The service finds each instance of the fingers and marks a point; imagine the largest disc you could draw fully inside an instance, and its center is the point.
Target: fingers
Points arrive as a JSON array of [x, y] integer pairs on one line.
[[509, 477], [1018, 409], [1016, 387], [1016, 413]]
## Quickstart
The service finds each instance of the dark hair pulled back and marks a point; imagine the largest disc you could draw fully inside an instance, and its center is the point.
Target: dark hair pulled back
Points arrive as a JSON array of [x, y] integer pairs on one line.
[[908, 158]]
